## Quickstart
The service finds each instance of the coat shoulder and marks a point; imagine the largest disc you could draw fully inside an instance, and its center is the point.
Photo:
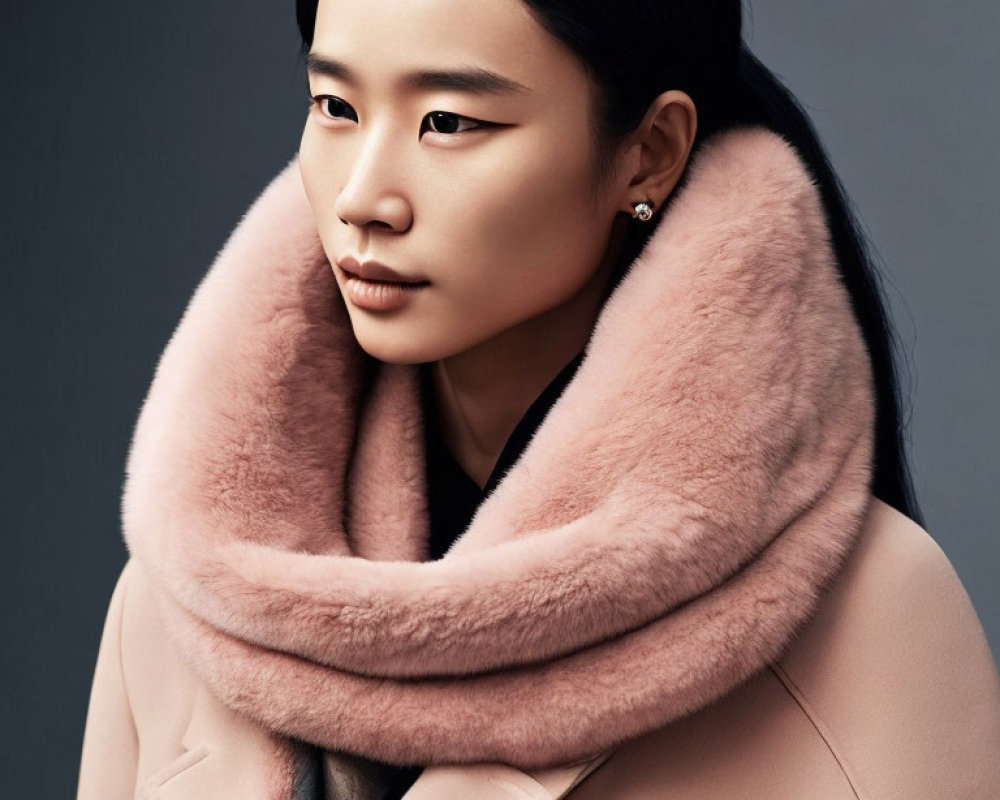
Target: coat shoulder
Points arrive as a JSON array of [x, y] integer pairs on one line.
[[896, 673], [889, 692], [161, 688], [110, 734], [158, 681]]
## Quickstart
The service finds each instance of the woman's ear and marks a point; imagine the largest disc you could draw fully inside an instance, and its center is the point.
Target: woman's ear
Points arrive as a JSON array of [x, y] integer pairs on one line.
[[659, 149]]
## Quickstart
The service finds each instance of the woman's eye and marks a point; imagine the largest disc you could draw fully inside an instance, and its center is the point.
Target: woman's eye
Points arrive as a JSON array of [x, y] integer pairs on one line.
[[443, 122], [447, 122], [333, 107]]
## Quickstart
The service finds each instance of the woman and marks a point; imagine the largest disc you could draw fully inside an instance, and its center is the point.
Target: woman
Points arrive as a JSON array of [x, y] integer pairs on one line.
[[536, 434]]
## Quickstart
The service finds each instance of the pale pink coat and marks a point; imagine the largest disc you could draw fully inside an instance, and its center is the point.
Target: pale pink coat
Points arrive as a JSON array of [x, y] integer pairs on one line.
[[890, 693]]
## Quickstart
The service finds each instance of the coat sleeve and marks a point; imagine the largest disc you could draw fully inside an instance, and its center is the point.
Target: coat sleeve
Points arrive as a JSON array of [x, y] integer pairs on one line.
[[110, 742]]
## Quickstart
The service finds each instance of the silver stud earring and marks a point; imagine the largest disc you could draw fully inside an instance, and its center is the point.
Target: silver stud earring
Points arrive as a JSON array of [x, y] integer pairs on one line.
[[643, 210]]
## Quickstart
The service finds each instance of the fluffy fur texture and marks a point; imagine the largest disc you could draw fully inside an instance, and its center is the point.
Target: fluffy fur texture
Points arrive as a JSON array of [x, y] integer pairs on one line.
[[672, 524]]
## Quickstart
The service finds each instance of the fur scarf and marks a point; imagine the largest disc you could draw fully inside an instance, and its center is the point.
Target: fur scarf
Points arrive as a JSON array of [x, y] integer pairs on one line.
[[672, 524]]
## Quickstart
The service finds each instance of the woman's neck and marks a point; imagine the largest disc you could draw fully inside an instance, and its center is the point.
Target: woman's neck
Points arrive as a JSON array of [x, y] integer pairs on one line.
[[482, 393]]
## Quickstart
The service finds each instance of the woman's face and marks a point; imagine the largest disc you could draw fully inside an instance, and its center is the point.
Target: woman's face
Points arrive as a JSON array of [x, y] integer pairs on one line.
[[479, 184]]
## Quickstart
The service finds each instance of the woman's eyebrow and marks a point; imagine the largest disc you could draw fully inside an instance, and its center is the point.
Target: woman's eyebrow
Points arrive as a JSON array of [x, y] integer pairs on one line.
[[474, 80]]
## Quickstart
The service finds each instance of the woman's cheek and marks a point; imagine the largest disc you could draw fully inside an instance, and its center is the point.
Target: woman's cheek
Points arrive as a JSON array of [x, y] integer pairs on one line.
[[308, 159]]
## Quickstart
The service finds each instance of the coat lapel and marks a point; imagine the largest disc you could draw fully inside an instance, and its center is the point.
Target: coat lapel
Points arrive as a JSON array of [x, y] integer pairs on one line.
[[499, 782], [227, 757]]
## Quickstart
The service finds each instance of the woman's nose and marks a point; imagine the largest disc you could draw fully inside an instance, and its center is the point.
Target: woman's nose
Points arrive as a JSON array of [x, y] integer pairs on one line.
[[374, 193]]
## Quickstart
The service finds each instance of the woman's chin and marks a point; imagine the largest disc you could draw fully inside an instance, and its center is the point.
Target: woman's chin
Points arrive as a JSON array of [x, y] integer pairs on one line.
[[403, 345], [399, 339]]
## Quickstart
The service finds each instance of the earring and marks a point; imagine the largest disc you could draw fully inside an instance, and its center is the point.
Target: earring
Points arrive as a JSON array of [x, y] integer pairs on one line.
[[643, 210]]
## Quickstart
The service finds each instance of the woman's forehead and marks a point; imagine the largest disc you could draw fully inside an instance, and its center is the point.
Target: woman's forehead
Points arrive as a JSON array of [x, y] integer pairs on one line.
[[485, 46]]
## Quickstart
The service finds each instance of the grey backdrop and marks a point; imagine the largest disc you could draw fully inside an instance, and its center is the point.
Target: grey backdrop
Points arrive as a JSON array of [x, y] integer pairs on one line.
[[136, 134]]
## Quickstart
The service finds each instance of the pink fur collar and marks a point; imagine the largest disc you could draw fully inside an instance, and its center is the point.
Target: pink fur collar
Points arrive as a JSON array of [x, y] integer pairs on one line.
[[665, 534]]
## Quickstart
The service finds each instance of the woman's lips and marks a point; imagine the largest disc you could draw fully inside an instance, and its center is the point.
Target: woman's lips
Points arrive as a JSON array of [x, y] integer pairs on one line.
[[373, 292], [374, 271]]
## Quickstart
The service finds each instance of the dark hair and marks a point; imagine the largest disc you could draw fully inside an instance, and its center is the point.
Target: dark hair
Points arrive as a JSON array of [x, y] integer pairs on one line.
[[633, 52]]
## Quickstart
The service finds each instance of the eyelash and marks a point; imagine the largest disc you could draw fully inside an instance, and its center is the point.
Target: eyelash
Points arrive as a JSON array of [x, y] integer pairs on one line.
[[316, 101]]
